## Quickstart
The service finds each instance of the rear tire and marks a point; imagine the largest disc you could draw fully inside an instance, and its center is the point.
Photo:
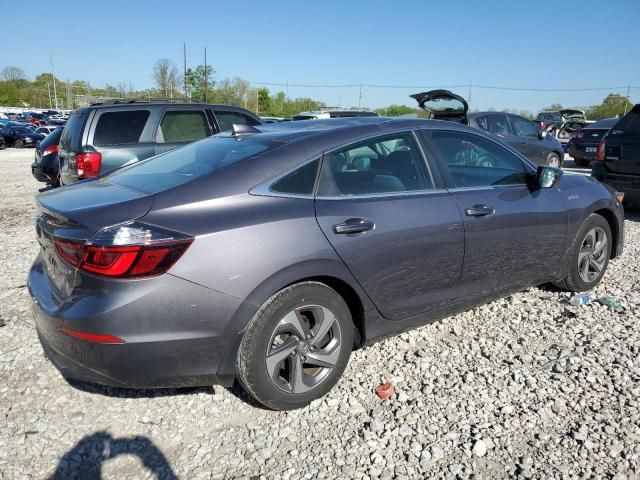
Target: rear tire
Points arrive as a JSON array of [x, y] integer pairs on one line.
[[19, 144], [553, 160], [589, 256], [296, 346]]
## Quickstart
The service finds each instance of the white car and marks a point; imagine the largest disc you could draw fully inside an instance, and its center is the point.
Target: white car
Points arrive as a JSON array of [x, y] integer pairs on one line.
[[46, 130]]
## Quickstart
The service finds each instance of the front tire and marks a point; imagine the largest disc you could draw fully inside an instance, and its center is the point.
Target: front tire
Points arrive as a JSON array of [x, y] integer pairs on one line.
[[553, 160], [296, 346], [19, 144], [589, 255]]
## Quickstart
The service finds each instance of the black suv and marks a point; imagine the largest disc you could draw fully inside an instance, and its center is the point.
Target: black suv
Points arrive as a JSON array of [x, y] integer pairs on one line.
[[102, 137], [618, 156]]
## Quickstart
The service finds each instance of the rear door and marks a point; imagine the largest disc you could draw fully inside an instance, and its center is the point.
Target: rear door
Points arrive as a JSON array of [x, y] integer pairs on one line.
[[623, 145], [501, 127], [179, 126], [515, 233], [400, 235]]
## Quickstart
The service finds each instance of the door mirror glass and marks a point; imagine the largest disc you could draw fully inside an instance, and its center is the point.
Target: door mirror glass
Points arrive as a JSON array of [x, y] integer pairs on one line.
[[547, 177]]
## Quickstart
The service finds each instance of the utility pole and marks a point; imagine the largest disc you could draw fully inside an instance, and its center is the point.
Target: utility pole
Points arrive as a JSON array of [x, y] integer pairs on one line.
[[360, 99], [627, 102], [257, 101], [55, 94], [470, 91], [206, 75], [49, 88], [185, 69]]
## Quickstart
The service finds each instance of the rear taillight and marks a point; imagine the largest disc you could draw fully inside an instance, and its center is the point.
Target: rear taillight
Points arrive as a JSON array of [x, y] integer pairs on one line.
[[50, 150], [126, 251], [577, 134], [600, 151], [88, 164]]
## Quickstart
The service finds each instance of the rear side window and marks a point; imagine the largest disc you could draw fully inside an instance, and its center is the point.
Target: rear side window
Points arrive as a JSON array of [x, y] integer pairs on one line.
[[524, 128], [390, 164], [298, 182], [227, 120], [499, 124], [120, 128], [187, 163], [72, 134], [182, 127]]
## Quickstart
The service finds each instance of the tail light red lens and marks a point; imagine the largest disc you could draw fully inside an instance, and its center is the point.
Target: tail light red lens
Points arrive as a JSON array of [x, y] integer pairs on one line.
[[90, 337], [577, 134], [88, 164], [600, 155], [126, 251], [51, 149]]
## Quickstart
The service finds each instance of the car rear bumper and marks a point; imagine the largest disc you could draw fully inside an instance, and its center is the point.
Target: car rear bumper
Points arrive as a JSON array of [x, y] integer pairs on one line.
[[629, 184], [175, 333], [41, 173]]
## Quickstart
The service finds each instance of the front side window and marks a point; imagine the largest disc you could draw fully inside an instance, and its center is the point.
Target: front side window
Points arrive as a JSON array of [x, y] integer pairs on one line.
[[120, 128], [227, 120], [181, 126], [474, 161], [499, 124], [524, 128], [390, 164]]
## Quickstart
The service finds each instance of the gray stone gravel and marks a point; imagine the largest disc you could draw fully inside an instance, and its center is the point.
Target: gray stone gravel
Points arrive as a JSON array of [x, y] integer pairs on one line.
[[526, 386]]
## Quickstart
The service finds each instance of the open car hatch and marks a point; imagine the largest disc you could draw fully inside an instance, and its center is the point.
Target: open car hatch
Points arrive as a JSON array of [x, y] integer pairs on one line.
[[443, 105]]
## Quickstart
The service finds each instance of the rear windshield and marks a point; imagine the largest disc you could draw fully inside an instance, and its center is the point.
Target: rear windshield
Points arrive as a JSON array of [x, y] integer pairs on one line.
[[605, 123], [72, 133], [188, 163], [630, 123]]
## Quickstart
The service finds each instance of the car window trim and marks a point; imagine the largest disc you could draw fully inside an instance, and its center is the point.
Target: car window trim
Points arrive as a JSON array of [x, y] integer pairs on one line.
[[264, 189], [446, 174]]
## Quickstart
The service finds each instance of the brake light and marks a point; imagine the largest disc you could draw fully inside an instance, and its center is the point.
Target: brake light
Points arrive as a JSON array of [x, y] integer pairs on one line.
[[126, 251], [50, 150], [577, 134], [88, 164], [90, 337], [600, 151]]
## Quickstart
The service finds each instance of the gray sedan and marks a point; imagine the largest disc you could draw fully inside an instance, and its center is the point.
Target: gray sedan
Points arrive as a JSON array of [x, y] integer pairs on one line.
[[267, 254]]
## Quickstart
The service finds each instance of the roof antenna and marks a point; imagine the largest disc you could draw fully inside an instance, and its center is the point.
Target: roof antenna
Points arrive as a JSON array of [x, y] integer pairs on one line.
[[242, 129]]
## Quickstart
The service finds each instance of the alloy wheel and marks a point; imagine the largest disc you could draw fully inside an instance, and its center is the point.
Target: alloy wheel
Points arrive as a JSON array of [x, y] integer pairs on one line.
[[593, 254], [554, 161], [303, 348]]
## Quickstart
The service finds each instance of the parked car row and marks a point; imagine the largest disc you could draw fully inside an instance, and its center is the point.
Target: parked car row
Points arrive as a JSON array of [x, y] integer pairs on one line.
[[268, 253], [515, 130]]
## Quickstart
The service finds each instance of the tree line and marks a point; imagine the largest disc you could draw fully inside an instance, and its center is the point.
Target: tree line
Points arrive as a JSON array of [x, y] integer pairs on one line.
[[199, 84]]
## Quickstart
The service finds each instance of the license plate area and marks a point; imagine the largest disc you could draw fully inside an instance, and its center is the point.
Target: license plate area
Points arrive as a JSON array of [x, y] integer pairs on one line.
[[591, 149]]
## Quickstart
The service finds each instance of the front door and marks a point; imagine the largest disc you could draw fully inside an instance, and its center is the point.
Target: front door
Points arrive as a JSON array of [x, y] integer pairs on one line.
[[528, 132], [514, 232], [402, 238]]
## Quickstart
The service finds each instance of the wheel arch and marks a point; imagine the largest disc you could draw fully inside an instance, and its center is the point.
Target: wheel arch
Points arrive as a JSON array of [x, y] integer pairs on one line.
[[610, 217]]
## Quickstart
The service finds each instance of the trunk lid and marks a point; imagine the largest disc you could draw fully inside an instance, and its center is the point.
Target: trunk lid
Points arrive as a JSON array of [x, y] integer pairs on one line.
[[443, 105], [75, 213]]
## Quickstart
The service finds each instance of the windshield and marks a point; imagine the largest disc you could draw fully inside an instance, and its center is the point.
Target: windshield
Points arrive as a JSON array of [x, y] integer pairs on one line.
[[188, 163]]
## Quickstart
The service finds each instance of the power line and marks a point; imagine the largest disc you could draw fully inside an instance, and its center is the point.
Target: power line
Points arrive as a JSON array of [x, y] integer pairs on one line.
[[431, 87]]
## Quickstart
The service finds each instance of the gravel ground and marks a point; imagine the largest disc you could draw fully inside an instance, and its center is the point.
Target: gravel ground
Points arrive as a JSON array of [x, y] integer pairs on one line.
[[525, 386]]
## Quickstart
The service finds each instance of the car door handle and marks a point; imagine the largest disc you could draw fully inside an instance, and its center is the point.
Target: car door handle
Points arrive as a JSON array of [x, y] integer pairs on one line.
[[480, 211], [354, 225]]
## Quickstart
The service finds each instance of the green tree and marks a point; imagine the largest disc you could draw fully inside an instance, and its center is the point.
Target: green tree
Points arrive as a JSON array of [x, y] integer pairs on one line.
[[396, 111], [613, 105], [264, 102], [197, 80]]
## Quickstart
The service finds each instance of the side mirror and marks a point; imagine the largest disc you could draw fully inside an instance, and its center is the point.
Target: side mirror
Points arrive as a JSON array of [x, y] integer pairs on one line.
[[542, 134], [547, 177]]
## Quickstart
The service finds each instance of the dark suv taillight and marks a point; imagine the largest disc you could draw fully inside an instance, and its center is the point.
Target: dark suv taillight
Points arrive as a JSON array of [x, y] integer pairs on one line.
[[88, 164], [130, 250], [600, 154]]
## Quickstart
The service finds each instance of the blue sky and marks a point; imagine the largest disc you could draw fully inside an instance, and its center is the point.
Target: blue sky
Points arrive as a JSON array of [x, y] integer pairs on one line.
[[505, 43]]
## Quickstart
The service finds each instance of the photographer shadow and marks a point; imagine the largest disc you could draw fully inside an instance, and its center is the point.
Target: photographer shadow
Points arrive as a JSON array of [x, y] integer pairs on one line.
[[85, 459]]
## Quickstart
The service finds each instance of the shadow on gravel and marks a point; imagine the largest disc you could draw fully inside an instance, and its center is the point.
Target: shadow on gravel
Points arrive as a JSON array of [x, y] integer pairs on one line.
[[85, 459], [137, 393]]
